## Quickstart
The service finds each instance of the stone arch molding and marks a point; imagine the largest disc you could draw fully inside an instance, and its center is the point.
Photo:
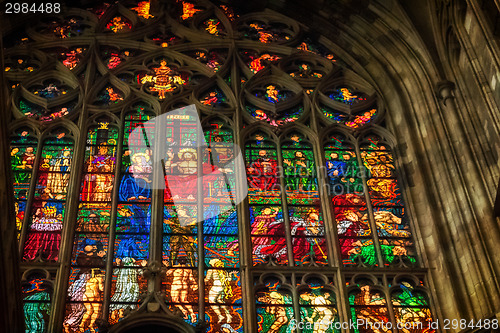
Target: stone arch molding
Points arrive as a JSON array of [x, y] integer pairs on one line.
[[153, 322]]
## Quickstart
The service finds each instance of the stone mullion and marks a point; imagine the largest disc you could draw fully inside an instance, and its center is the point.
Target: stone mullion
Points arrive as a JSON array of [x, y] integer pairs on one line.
[[157, 207], [200, 217], [295, 300], [284, 205], [388, 300], [371, 217], [343, 306], [29, 202], [243, 211], [112, 225]]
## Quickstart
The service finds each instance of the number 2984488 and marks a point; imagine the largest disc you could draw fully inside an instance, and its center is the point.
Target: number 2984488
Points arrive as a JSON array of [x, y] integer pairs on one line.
[[32, 8]]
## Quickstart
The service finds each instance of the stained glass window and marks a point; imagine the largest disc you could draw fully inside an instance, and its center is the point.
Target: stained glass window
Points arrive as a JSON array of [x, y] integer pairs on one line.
[[36, 293], [318, 310], [411, 307], [43, 238], [133, 216], [91, 242], [215, 240], [369, 305], [371, 308], [127, 221], [301, 188], [22, 158], [353, 214], [267, 225]]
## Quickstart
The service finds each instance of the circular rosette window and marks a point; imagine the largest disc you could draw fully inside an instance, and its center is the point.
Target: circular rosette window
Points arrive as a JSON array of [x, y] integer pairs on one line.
[[216, 97], [307, 70], [253, 61], [274, 98], [162, 76], [75, 23], [113, 56], [47, 99], [347, 105], [19, 65], [214, 59], [109, 95], [71, 56]]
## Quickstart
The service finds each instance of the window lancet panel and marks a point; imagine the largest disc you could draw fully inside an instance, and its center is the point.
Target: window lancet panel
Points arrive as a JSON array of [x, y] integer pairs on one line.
[[23, 149], [91, 243], [366, 196], [43, 237], [37, 294]]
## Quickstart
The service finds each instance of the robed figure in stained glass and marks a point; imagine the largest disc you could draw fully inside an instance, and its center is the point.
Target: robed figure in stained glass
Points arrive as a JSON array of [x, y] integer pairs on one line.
[[268, 224], [351, 224], [98, 183], [135, 184], [308, 236], [133, 220], [58, 172], [44, 236], [298, 168]]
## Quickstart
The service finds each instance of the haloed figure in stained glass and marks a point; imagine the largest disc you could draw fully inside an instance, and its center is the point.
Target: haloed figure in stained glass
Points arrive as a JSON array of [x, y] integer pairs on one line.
[[269, 223], [23, 162], [58, 176], [378, 164], [262, 173], [182, 179], [351, 223], [341, 168]]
